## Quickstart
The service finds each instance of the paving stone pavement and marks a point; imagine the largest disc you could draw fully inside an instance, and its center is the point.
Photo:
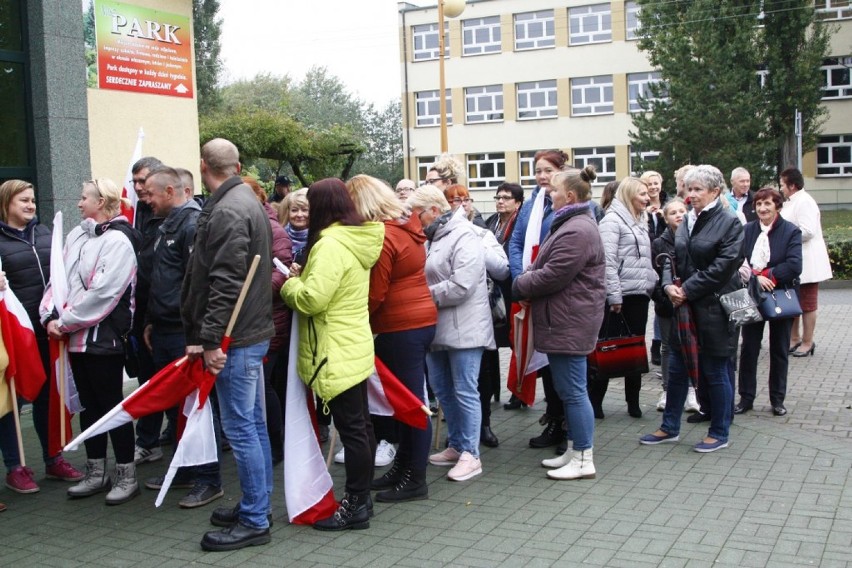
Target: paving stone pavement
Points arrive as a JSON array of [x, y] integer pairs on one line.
[[780, 495]]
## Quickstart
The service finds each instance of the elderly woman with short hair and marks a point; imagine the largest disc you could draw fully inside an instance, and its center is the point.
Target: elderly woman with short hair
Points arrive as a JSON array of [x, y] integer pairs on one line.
[[708, 254], [455, 272]]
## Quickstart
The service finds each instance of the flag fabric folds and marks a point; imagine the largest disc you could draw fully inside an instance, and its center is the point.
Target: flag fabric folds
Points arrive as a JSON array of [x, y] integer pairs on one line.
[[128, 191], [308, 488], [387, 396]]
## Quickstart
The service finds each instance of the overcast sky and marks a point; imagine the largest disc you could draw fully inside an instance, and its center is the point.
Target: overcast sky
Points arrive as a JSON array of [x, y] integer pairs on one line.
[[355, 40]]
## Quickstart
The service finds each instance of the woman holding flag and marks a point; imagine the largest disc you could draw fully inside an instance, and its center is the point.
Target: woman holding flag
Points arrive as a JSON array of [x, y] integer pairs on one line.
[[100, 268], [25, 252], [403, 315]]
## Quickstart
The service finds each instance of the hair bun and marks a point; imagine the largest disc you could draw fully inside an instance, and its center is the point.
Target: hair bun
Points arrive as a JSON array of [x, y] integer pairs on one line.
[[588, 174]]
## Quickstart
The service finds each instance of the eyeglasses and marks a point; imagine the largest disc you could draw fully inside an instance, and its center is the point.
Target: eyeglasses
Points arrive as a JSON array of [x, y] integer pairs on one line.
[[503, 198], [94, 182], [404, 190], [461, 200], [432, 181]]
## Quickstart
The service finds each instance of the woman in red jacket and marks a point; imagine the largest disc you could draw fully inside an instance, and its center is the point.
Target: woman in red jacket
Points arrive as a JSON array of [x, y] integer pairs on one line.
[[403, 316]]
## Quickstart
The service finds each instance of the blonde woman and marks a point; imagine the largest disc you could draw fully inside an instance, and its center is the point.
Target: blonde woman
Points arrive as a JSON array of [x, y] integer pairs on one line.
[[100, 264], [403, 318], [445, 172], [630, 279], [294, 214]]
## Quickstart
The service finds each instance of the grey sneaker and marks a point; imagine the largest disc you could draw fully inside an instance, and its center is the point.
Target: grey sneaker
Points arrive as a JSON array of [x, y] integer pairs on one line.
[[177, 483], [200, 496], [142, 455]]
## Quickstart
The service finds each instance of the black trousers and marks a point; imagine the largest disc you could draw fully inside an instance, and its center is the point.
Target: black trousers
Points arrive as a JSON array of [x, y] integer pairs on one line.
[[99, 383], [489, 367], [351, 416], [635, 311], [779, 345]]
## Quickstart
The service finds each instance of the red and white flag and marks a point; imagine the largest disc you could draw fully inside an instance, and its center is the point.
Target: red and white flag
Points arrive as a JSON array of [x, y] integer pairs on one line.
[[526, 361], [308, 489], [128, 190], [387, 396], [20, 341]]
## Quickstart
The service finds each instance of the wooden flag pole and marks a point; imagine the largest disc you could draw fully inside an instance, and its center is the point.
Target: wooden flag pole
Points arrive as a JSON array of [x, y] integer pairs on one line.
[[63, 394], [17, 414], [242, 297], [331, 443]]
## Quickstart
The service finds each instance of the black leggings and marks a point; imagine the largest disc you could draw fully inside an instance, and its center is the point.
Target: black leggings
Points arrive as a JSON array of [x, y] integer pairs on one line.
[[351, 416], [99, 381]]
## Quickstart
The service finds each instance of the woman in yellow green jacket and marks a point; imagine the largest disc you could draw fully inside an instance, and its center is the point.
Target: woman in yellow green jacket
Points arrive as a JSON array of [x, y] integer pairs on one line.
[[335, 341]]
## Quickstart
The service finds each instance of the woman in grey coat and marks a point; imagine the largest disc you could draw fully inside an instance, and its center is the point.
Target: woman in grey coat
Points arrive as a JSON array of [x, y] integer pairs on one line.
[[630, 279], [455, 272]]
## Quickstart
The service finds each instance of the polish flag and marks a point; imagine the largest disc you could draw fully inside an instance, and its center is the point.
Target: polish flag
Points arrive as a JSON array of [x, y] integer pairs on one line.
[[387, 396], [19, 337], [128, 191], [308, 489], [526, 361]]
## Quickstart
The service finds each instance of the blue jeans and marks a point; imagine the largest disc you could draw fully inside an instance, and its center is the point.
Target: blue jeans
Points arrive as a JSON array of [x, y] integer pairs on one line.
[[569, 379], [241, 400], [453, 376], [715, 379]]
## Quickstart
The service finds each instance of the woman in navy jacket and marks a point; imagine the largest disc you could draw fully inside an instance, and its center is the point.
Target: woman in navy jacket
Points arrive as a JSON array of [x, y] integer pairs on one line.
[[772, 248]]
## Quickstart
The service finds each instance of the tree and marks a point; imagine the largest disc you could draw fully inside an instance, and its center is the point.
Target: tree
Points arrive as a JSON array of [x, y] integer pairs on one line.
[[383, 130], [795, 47], [322, 100], [207, 28], [264, 91], [710, 106]]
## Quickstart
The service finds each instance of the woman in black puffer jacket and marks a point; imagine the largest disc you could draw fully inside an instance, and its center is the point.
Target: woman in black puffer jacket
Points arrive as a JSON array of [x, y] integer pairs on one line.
[[25, 252]]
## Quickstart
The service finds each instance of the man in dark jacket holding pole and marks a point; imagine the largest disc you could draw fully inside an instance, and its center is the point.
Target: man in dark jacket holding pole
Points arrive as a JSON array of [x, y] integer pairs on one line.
[[231, 230]]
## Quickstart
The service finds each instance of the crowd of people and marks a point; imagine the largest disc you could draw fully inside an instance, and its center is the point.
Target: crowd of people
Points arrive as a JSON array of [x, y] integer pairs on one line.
[[416, 277]]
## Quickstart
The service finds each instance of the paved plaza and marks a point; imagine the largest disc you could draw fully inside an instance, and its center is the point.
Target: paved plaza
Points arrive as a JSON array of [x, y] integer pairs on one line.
[[780, 495]]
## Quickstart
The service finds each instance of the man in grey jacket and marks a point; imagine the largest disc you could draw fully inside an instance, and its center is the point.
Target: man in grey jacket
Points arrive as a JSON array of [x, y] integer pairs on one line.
[[232, 229]]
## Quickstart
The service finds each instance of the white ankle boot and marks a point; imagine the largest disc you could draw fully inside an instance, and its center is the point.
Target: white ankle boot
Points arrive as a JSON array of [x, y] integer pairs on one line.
[[125, 487], [691, 404], [95, 480], [559, 461], [581, 466]]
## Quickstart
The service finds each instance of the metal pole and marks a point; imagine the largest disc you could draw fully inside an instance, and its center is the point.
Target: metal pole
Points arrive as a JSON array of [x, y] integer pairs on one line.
[[799, 134], [442, 86]]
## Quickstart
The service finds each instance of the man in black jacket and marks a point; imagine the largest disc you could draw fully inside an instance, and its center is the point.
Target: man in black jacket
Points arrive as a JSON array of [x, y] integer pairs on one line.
[[232, 229]]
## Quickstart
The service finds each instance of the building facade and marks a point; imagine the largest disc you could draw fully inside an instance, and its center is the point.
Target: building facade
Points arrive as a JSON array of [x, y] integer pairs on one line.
[[526, 75]]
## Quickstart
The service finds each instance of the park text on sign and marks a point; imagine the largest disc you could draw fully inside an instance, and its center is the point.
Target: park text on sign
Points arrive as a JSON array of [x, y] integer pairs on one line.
[[143, 50]]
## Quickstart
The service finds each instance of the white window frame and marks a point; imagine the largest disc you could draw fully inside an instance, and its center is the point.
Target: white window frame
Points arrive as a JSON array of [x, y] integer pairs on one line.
[[473, 42], [525, 96], [603, 159], [487, 102], [829, 144], [534, 30], [631, 20], [833, 9], [432, 105], [589, 24], [649, 156], [423, 165], [421, 35], [589, 88], [477, 162], [844, 90], [638, 85], [526, 169]]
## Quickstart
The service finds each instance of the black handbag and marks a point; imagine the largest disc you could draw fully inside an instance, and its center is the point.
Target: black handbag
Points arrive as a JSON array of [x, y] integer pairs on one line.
[[741, 305], [781, 303]]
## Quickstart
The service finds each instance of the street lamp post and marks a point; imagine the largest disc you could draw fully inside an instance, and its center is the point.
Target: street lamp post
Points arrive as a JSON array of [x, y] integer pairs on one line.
[[451, 9]]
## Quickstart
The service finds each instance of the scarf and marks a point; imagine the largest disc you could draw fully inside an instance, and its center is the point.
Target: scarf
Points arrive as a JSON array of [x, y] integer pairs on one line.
[[760, 254], [299, 237]]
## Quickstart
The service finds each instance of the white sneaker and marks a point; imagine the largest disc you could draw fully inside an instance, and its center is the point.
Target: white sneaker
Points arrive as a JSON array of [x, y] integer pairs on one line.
[[385, 452], [661, 404], [339, 457], [691, 404]]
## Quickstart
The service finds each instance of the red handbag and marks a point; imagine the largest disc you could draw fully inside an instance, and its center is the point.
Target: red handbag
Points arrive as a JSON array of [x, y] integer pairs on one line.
[[620, 354]]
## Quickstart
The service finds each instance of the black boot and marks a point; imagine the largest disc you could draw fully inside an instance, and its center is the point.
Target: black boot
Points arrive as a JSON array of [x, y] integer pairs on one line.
[[631, 395], [488, 438], [552, 434], [655, 352], [411, 487], [390, 478], [597, 391], [514, 403], [352, 513]]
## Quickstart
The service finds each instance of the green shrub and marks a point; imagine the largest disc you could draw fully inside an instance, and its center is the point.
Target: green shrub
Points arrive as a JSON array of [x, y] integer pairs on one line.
[[837, 229]]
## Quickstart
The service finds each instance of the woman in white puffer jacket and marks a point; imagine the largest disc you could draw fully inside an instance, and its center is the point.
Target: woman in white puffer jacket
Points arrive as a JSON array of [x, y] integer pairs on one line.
[[630, 279]]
